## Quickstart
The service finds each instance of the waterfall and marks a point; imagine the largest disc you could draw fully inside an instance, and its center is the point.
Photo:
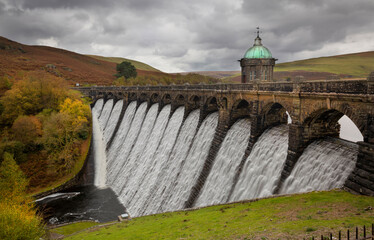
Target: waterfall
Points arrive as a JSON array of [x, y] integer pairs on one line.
[[98, 149], [220, 179], [172, 166], [112, 121], [98, 106], [105, 113], [263, 166], [132, 163], [128, 192], [325, 164], [124, 149], [193, 164], [113, 160], [155, 165]]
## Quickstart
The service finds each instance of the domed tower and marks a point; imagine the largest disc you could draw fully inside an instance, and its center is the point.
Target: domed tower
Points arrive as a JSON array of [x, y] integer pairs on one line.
[[257, 63]]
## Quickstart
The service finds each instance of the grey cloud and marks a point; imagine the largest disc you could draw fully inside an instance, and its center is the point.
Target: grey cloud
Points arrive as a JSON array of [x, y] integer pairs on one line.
[[188, 35]]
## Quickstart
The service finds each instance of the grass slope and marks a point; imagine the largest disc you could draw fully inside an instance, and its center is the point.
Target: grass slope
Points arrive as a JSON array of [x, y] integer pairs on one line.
[[355, 64], [287, 217], [137, 64]]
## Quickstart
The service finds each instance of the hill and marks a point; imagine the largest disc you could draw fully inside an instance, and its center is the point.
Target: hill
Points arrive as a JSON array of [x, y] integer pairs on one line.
[[17, 58], [138, 65], [287, 217], [355, 65]]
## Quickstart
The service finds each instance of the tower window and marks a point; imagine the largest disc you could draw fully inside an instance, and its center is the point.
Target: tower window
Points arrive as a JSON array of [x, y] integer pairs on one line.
[[266, 75]]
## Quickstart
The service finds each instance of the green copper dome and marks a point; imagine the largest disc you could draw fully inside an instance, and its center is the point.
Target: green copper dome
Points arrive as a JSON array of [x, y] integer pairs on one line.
[[258, 50]]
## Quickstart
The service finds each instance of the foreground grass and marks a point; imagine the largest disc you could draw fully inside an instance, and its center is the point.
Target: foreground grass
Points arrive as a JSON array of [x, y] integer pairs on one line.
[[288, 217]]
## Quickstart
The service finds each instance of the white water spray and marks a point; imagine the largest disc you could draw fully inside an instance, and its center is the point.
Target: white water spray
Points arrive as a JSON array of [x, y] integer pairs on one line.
[[220, 179], [325, 164], [264, 165]]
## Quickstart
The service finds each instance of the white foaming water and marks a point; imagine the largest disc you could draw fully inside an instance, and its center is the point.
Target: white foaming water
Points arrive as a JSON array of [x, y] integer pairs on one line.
[[112, 153], [325, 164], [112, 121], [133, 162], [171, 168], [220, 180], [263, 166], [105, 113], [193, 164], [155, 165], [98, 106], [139, 173], [124, 150], [99, 153]]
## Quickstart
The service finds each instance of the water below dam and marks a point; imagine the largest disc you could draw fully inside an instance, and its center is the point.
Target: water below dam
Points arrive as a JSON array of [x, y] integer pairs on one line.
[[150, 159]]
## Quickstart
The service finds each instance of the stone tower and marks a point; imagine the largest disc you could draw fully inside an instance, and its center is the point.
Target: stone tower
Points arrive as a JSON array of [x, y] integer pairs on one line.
[[257, 63]]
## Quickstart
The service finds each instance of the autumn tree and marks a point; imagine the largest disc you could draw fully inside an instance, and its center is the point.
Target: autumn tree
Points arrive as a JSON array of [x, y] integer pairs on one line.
[[27, 129]]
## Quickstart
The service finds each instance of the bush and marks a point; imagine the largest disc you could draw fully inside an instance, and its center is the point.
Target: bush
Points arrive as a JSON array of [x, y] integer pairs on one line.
[[126, 69]]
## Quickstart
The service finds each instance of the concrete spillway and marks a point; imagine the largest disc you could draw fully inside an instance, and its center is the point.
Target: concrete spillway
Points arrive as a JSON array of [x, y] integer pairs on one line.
[[157, 155]]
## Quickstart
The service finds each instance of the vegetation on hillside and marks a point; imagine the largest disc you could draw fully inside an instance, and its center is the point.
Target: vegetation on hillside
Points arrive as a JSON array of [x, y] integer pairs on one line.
[[18, 218], [177, 79], [355, 65], [126, 69], [44, 125], [138, 65], [289, 217]]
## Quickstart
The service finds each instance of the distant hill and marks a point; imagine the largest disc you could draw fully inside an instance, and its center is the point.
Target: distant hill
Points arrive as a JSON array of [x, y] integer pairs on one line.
[[355, 65], [137, 64], [16, 58], [350, 65]]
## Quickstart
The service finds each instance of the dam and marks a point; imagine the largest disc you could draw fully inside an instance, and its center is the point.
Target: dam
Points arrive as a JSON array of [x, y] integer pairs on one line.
[[173, 147]]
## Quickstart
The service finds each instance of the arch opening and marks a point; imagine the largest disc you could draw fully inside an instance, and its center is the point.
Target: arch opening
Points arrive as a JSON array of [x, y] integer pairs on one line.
[[275, 114], [333, 123]]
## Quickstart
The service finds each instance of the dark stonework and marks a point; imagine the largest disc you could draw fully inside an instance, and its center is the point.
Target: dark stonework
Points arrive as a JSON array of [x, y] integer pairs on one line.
[[258, 67]]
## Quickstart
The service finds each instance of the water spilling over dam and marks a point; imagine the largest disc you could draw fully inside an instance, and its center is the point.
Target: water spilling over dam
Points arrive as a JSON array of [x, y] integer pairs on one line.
[[157, 157]]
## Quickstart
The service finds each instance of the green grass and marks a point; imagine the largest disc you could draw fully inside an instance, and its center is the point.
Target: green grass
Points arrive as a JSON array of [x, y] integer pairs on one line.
[[356, 64], [72, 228], [137, 64], [292, 217]]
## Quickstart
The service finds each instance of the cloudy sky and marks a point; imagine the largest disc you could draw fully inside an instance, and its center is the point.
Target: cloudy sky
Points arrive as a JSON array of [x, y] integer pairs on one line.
[[193, 35]]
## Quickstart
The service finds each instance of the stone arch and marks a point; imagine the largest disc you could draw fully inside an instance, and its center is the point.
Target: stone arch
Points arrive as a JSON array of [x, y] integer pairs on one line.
[[194, 101], [143, 97], [166, 99], [274, 114], [240, 109], [155, 98], [211, 104], [324, 122], [179, 98]]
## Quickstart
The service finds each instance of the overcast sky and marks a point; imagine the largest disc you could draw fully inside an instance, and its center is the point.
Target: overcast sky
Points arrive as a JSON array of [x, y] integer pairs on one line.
[[192, 35]]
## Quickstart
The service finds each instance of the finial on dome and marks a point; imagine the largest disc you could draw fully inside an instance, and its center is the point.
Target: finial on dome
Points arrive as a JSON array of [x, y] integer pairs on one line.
[[258, 39]]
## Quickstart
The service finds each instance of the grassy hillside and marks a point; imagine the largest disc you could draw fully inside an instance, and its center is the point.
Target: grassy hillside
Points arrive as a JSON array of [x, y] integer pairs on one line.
[[137, 64], [288, 217], [355, 64]]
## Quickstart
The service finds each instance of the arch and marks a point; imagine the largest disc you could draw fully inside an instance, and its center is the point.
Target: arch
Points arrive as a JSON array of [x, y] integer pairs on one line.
[[240, 109], [179, 97], [211, 101], [155, 98], [274, 114], [211, 105], [166, 99], [325, 122]]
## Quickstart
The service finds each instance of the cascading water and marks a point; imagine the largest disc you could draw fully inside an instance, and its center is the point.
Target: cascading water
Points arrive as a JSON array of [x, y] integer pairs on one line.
[[220, 179], [132, 163], [193, 164], [112, 121], [105, 113], [263, 166], [325, 164], [173, 165], [98, 106], [155, 165], [139, 174], [124, 149], [99, 150], [113, 160]]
